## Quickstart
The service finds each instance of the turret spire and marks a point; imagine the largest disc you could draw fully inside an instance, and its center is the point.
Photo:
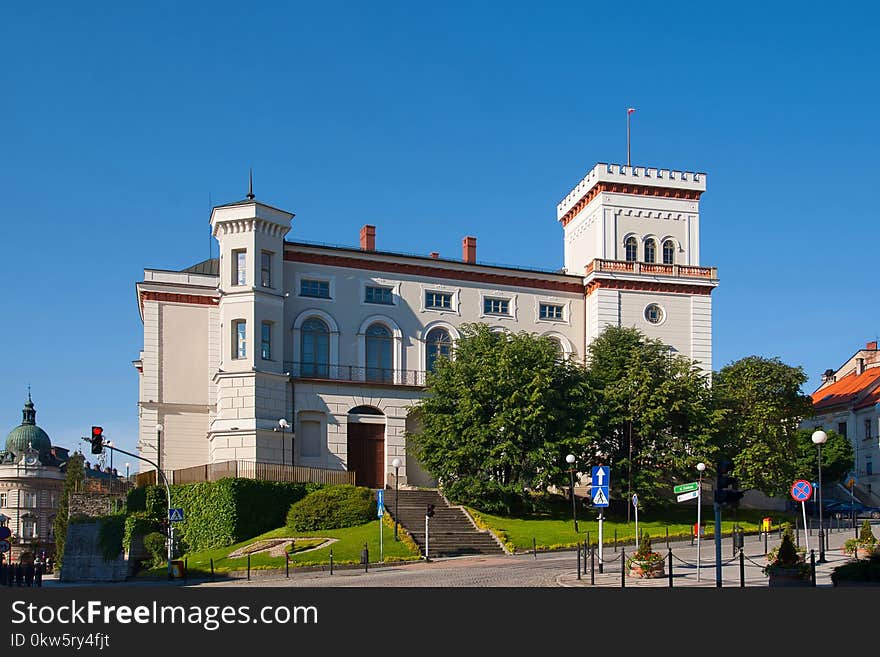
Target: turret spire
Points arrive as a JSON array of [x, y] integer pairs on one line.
[[250, 194]]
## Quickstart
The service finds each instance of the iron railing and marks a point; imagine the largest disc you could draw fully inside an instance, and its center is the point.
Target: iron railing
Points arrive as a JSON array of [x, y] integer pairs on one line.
[[355, 374]]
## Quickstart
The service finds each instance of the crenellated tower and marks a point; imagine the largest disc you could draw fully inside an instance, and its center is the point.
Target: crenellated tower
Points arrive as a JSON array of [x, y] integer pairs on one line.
[[634, 233]]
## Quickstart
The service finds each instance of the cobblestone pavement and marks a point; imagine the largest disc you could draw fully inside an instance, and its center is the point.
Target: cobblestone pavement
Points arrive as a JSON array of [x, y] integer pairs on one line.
[[559, 569]]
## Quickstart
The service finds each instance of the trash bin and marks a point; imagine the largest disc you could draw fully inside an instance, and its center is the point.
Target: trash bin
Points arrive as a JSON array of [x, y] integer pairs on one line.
[[702, 530], [738, 538], [178, 570], [766, 524]]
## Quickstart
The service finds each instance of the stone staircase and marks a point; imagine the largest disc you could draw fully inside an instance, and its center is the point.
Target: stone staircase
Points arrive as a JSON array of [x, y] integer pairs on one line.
[[452, 533]]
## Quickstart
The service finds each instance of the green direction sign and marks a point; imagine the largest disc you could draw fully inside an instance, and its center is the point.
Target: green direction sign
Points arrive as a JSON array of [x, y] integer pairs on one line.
[[685, 488]]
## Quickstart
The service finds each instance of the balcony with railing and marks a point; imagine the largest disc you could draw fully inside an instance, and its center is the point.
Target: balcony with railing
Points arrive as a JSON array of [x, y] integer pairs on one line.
[[355, 374], [628, 267]]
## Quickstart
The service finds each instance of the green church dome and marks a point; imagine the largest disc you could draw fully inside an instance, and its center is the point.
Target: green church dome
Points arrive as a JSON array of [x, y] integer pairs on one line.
[[28, 434]]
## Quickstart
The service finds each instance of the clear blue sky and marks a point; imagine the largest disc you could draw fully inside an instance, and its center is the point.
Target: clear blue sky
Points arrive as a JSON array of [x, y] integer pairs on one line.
[[119, 124]]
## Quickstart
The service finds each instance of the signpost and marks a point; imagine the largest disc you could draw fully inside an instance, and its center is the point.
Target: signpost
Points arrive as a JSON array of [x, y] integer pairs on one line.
[[635, 502], [801, 491], [601, 481], [691, 491], [380, 511], [175, 515]]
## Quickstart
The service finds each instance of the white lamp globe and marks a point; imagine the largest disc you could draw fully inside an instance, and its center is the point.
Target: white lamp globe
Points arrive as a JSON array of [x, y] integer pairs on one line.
[[819, 437], [159, 427], [396, 463], [569, 459], [701, 466]]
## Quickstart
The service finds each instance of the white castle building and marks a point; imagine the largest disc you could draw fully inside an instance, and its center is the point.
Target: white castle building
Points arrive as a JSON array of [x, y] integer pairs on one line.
[[337, 340]]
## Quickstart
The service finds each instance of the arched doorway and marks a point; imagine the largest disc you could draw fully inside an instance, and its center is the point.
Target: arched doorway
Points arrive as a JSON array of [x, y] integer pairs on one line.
[[366, 446]]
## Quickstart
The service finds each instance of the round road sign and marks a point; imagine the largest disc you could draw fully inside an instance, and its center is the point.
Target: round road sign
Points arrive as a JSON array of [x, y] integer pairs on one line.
[[4, 546], [5, 532], [801, 490]]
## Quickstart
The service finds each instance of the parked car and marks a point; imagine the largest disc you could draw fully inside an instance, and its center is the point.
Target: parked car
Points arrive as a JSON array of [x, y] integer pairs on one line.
[[846, 509]]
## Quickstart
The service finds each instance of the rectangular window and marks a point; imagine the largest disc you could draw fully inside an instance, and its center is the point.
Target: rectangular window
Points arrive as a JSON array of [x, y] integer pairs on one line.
[[266, 341], [441, 300], [2, 500], [239, 338], [266, 269], [550, 311], [868, 429], [378, 294], [841, 428], [310, 442], [496, 306], [29, 500], [310, 288], [239, 267]]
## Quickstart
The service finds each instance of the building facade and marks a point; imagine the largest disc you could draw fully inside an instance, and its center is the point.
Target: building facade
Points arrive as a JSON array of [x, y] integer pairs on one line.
[[848, 402], [337, 340], [31, 480]]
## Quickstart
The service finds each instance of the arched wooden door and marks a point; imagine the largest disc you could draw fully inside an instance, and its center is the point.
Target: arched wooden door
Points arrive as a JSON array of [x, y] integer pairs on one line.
[[366, 453]]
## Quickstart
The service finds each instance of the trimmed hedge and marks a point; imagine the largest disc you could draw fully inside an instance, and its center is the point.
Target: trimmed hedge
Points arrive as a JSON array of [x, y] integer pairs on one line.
[[333, 507], [220, 513], [138, 524]]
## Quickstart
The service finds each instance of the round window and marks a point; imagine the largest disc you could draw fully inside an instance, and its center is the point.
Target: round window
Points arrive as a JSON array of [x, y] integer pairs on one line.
[[654, 313]]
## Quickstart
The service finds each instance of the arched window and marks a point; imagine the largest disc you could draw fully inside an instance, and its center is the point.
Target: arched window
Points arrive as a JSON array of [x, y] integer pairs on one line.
[[315, 343], [557, 343], [668, 252], [379, 355], [439, 345], [650, 251], [632, 249]]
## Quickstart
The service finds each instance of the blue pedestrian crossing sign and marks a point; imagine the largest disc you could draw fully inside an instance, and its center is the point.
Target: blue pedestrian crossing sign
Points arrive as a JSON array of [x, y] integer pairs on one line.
[[601, 480], [380, 502], [175, 515]]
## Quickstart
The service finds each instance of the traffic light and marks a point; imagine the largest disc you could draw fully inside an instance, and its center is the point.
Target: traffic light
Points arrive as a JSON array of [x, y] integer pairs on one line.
[[726, 485], [97, 440], [429, 513]]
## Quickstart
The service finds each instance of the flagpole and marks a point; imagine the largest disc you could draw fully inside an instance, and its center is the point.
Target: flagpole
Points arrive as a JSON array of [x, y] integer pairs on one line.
[[627, 137]]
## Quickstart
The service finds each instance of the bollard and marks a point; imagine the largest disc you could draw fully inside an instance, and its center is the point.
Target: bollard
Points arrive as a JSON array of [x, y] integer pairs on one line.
[[742, 569], [667, 538], [670, 565], [331, 561], [286, 564], [249, 567], [579, 560], [185, 568], [535, 548], [365, 556], [212, 569], [622, 568], [586, 547], [765, 542], [615, 539], [593, 564], [813, 567]]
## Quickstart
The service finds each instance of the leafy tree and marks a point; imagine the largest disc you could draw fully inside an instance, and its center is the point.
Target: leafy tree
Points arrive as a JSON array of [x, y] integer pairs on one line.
[[73, 482], [501, 416], [762, 405], [837, 457], [655, 417]]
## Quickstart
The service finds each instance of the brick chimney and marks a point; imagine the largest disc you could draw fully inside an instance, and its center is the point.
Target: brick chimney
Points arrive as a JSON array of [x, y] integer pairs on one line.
[[368, 238], [871, 346], [469, 249]]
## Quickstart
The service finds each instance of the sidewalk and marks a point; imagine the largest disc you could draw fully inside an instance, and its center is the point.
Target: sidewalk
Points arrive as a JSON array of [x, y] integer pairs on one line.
[[684, 570]]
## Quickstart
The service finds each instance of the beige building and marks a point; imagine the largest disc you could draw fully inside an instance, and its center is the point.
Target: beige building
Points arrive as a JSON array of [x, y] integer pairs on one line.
[[31, 480], [337, 340]]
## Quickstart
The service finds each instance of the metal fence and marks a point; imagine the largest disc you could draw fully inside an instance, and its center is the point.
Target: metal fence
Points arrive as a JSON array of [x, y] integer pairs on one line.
[[249, 470]]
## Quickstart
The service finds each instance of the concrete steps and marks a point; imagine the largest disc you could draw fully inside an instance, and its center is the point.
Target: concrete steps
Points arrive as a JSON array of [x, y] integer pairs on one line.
[[451, 533]]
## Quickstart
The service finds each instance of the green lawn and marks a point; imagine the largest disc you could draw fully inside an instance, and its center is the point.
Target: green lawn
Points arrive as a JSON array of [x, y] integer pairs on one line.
[[555, 530], [347, 550]]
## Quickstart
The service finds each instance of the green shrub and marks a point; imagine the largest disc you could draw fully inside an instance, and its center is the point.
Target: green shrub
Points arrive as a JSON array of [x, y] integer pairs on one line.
[[136, 500], [227, 511], [154, 543], [138, 523], [110, 533], [495, 498], [333, 507]]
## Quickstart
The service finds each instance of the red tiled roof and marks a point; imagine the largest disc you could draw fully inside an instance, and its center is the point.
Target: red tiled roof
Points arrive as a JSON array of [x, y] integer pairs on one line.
[[848, 389]]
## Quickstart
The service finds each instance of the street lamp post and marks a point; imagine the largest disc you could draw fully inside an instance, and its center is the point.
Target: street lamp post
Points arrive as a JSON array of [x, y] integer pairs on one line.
[[110, 444], [127, 470], [159, 429], [161, 473], [819, 437], [700, 468], [396, 464], [570, 460], [283, 425]]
